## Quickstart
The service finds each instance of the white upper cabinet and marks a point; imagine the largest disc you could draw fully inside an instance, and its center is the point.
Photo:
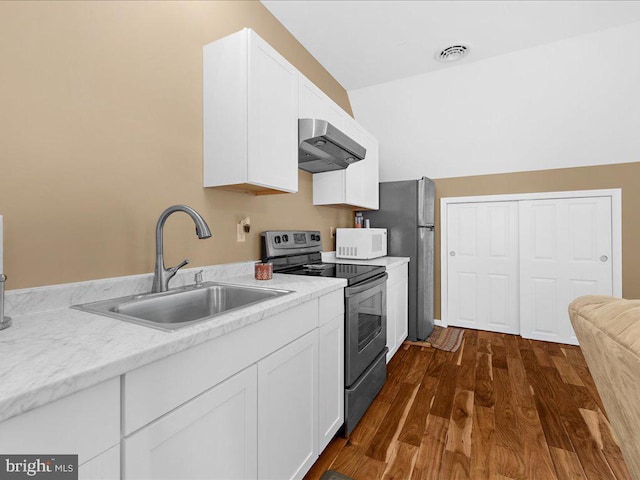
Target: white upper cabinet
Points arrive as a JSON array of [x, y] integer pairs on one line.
[[312, 102], [357, 185], [250, 116]]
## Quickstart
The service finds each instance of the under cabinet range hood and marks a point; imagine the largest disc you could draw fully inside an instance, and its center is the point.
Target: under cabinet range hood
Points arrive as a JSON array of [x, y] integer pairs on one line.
[[323, 148]]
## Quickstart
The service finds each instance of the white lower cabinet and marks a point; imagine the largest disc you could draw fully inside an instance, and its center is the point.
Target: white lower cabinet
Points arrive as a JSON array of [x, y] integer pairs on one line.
[[397, 308], [287, 410], [259, 402], [105, 466], [267, 421], [85, 423], [330, 380], [212, 436]]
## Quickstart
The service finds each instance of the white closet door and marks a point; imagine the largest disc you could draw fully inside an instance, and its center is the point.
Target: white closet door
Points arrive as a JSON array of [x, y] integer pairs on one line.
[[483, 266], [565, 247]]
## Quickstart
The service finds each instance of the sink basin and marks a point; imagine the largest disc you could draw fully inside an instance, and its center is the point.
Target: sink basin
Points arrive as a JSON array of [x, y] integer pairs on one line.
[[183, 306]]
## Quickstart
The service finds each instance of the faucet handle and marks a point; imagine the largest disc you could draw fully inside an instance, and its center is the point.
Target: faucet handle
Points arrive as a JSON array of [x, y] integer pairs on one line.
[[178, 267], [198, 278]]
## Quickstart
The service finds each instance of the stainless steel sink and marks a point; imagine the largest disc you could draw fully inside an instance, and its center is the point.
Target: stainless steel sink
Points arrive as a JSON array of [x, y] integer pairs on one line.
[[181, 307]]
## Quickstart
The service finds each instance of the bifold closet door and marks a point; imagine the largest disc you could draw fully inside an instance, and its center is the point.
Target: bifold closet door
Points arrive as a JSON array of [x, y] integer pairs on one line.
[[565, 252], [482, 243]]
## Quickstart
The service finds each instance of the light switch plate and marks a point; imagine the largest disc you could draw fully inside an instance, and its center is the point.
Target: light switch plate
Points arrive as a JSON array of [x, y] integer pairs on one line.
[[241, 236]]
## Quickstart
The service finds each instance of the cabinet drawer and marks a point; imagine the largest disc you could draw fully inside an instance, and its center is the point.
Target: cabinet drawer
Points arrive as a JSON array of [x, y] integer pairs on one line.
[[85, 423], [398, 274], [155, 389]]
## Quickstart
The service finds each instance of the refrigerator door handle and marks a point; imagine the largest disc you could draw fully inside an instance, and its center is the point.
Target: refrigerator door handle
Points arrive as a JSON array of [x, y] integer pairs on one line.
[[428, 227], [426, 201], [424, 283]]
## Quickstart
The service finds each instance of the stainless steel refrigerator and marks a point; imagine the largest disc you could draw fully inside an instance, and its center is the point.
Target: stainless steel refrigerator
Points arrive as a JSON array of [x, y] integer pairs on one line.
[[407, 211]]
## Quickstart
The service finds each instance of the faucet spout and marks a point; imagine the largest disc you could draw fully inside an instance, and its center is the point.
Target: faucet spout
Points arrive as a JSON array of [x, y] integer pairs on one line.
[[162, 275]]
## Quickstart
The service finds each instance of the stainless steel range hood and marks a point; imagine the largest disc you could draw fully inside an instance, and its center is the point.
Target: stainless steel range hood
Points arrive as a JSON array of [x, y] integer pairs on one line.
[[323, 148]]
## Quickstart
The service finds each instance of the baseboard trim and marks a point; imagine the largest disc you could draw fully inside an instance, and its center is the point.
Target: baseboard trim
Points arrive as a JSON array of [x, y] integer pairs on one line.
[[439, 323]]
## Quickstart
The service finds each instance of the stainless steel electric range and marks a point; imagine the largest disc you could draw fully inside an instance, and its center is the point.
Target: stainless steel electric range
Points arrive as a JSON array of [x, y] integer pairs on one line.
[[365, 302]]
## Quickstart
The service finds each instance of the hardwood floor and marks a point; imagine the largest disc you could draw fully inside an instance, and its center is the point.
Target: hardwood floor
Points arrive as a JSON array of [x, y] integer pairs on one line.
[[501, 407]]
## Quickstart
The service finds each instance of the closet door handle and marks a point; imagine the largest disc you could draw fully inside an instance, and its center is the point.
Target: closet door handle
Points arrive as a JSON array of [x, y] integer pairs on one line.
[[604, 258], [452, 253]]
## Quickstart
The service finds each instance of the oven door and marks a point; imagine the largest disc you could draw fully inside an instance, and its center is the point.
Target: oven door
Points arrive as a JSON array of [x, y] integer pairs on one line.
[[365, 325]]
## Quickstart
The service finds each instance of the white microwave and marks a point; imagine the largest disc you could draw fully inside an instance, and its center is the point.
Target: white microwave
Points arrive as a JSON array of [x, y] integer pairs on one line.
[[361, 243]]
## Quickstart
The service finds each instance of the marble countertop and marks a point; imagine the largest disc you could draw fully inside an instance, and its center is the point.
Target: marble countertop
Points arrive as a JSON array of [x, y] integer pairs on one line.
[[388, 262], [52, 351]]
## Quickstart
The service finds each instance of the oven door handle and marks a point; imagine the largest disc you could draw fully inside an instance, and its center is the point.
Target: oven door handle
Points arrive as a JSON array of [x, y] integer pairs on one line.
[[351, 291]]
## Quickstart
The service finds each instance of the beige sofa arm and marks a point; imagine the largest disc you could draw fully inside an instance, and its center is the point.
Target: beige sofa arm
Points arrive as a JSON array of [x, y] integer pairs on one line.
[[608, 330]]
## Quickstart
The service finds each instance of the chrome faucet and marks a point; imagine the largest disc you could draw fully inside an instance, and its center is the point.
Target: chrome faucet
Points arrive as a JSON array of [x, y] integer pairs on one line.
[[162, 275]]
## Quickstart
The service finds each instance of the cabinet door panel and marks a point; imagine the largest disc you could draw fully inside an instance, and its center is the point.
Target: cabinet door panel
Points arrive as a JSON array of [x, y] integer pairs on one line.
[[287, 410], [213, 436], [397, 312], [273, 118], [401, 311], [105, 466], [354, 183], [250, 117], [392, 300], [224, 111], [336, 116], [357, 173], [331, 380], [311, 101], [371, 179]]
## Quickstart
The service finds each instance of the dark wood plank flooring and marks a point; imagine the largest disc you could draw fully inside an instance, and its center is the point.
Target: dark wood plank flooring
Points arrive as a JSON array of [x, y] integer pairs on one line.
[[501, 407]]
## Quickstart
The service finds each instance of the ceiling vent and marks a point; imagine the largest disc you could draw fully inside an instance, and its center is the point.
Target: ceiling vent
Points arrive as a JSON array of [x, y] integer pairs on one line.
[[452, 53]]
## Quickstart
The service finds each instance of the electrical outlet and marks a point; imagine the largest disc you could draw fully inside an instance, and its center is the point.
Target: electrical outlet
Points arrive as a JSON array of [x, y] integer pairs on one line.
[[332, 232], [241, 236]]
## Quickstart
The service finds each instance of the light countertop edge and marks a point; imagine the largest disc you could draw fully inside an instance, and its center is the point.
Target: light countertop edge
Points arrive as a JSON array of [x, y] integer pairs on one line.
[[388, 262]]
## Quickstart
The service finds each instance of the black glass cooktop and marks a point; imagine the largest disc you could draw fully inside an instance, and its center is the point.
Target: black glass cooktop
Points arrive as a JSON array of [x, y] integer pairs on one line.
[[352, 273]]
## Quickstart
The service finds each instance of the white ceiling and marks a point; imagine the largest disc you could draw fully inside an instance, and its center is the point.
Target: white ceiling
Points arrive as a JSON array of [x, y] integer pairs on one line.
[[364, 42]]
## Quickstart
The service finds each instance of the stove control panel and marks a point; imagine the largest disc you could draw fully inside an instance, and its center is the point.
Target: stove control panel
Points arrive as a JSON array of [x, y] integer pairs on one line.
[[277, 243]]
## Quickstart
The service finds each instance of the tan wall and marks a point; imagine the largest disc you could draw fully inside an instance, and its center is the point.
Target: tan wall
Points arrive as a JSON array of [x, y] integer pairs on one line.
[[625, 176], [101, 130]]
